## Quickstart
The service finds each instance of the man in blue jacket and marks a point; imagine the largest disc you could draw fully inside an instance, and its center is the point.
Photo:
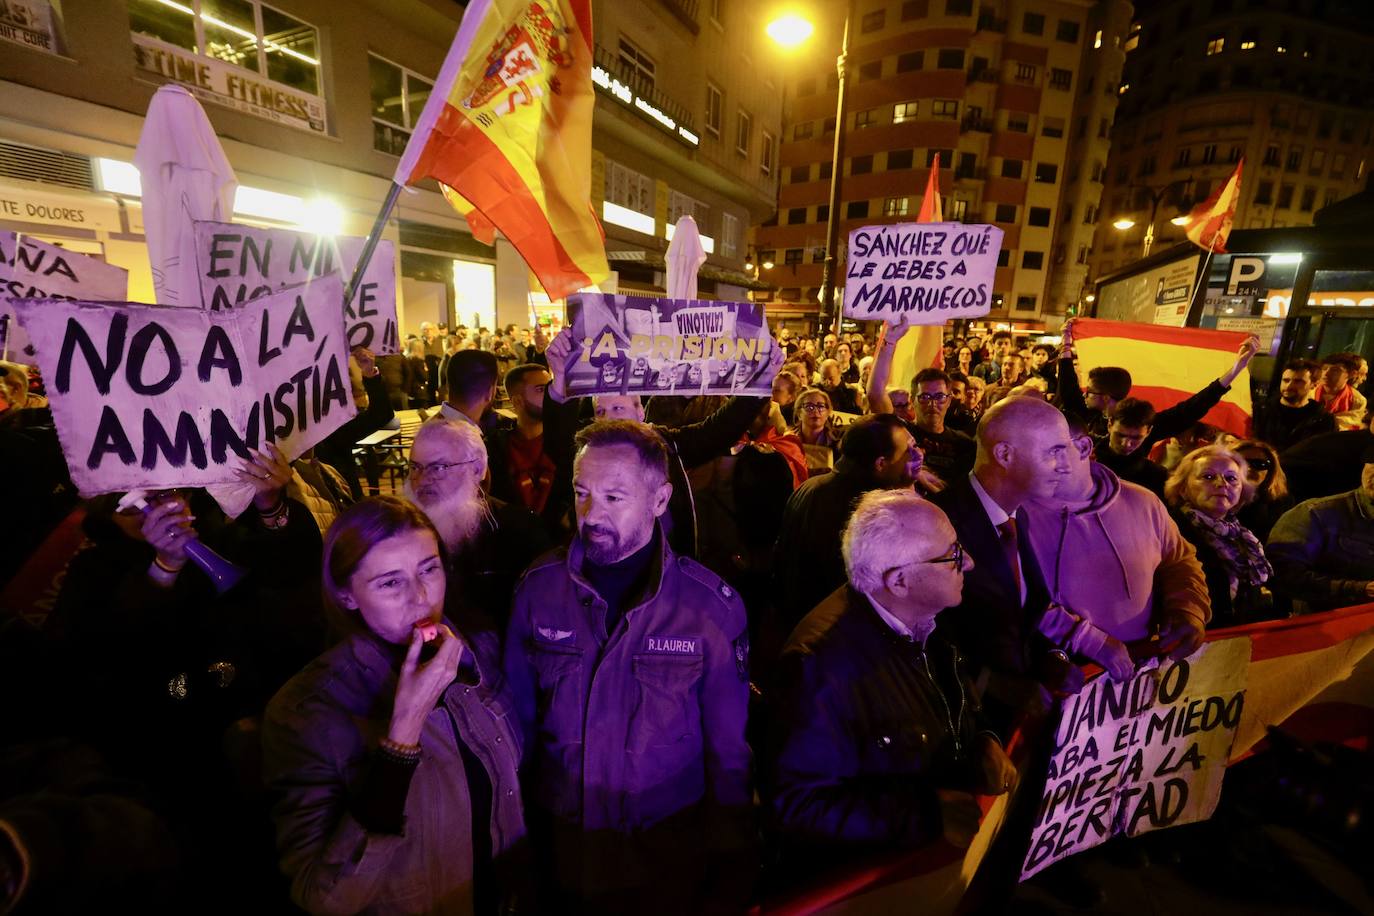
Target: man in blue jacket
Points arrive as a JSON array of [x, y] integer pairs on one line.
[[629, 668]]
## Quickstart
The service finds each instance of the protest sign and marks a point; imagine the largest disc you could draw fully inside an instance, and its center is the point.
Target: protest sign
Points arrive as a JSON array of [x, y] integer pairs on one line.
[[150, 397], [633, 345], [929, 272], [1142, 754], [32, 269], [239, 263]]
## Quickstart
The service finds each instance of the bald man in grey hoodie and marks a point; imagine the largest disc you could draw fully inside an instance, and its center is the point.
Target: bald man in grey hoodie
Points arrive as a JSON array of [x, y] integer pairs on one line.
[[1118, 571]]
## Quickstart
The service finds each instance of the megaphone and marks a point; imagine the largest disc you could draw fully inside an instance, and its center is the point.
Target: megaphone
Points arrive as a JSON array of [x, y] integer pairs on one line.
[[223, 574]]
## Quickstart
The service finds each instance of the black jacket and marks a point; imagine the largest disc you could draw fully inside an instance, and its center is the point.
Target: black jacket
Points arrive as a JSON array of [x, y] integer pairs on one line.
[[1169, 422], [1327, 464], [1136, 468], [1283, 427], [1251, 603], [992, 625], [866, 727], [807, 564]]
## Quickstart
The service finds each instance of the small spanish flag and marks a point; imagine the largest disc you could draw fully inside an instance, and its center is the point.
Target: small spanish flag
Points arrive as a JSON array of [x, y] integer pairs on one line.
[[923, 346], [507, 131], [1209, 223]]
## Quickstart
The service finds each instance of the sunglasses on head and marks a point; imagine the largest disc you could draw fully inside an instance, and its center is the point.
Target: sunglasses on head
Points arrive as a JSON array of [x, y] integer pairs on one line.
[[1260, 464]]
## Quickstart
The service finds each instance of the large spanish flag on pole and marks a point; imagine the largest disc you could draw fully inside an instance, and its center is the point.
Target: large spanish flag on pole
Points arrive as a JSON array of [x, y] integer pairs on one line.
[[1169, 365], [1209, 223], [922, 346], [508, 129]]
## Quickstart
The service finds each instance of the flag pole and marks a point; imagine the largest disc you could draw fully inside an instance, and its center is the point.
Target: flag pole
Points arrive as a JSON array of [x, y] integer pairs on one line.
[[370, 246], [1202, 274]]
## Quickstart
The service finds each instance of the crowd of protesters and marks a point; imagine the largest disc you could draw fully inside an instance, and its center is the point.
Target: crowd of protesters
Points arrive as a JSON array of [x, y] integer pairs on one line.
[[584, 662]]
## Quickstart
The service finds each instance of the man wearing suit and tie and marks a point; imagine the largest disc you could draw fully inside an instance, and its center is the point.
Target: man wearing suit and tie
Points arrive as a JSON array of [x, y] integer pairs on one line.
[[1023, 454]]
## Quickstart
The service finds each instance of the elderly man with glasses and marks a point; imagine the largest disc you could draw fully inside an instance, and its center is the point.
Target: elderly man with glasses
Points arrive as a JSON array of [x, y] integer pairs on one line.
[[877, 741], [488, 543]]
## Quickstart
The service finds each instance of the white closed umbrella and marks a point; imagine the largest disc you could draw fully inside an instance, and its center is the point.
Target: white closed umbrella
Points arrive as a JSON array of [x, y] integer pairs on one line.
[[185, 177], [685, 257]]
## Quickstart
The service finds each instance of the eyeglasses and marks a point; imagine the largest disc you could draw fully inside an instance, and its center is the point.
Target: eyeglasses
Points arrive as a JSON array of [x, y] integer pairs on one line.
[[956, 557], [437, 468], [814, 407], [1260, 464], [1212, 477], [939, 397]]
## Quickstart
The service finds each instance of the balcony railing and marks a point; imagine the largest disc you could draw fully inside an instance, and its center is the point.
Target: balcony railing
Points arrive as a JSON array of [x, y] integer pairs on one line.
[[645, 89], [685, 11]]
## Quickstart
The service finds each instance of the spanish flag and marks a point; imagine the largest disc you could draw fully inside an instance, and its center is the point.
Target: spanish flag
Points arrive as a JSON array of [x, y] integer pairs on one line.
[[1169, 365], [1209, 223], [923, 346], [508, 129]]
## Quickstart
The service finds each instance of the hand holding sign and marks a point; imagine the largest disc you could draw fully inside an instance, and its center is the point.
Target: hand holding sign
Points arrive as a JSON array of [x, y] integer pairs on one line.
[[558, 352], [997, 774], [1180, 635], [268, 472]]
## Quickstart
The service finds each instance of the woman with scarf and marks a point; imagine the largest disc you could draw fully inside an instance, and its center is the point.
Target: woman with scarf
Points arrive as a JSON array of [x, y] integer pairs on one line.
[[1204, 494], [1337, 395]]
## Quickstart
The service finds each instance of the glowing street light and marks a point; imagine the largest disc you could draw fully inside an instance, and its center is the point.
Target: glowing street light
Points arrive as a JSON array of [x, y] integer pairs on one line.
[[1124, 223], [790, 30], [1179, 220]]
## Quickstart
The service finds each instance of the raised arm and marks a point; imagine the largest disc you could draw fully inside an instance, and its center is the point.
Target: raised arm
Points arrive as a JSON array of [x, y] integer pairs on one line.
[[878, 401]]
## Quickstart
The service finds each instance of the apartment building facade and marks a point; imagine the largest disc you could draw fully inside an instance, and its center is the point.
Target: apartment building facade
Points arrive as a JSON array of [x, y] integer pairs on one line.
[[1284, 85], [991, 87]]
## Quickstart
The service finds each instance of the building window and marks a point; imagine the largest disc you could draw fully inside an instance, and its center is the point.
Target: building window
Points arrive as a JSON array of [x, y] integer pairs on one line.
[[680, 205], [1004, 257], [1209, 154], [1046, 172], [1216, 44], [1233, 154], [872, 22], [1271, 154], [856, 209], [767, 147], [1025, 73], [948, 109], [1033, 24], [871, 71], [896, 206], [1005, 213], [864, 119], [950, 59], [792, 257], [798, 174], [1025, 303], [903, 111], [823, 215], [715, 101], [1338, 165], [1309, 199], [1264, 192], [911, 60], [1052, 127], [946, 157], [828, 126], [398, 97], [1038, 216], [968, 166], [1061, 78], [1285, 196], [1067, 30], [629, 189], [744, 128], [803, 131], [958, 210], [1294, 161], [1083, 252], [1099, 172], [636, 62], [1247, 40], [1013, 168], [825, 169], [818, 255], [1032, 260], [285, 49], [1089, 215], [1018, 122], [1147, 165], [899, 159], [1183, 157], [796, 216], [729, 235], [1097, 39], [958, 7], [915, 9], [861, 165]]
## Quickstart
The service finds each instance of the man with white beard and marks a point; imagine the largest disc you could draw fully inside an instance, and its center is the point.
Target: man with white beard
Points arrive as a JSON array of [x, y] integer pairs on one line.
[[488, 542]]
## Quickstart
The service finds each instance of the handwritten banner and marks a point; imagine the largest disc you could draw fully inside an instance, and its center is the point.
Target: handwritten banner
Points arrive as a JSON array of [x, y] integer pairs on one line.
[[240, 263], [1141, 755], [634, 345], [149, 397], [929, 272], [30, 269]]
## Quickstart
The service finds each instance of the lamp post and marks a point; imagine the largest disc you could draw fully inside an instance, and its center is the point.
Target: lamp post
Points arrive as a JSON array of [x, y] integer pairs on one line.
[[1157, 195], [829, 314]]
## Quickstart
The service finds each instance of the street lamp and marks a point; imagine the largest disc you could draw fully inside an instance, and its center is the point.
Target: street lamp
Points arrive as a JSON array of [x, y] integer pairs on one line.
[[1156, 196], [788, 27]]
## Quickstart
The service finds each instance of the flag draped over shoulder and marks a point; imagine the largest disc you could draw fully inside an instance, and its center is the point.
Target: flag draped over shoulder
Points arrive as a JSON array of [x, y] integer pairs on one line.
[[1209, 223], [507, 130], [923, 346], [1169, 365]]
